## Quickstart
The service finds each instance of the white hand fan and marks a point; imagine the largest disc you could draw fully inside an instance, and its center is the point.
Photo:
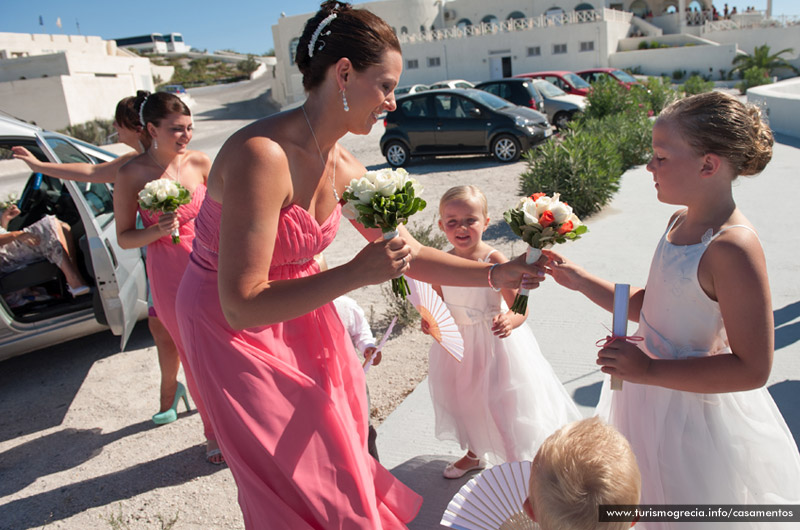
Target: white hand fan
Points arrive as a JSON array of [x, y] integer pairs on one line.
[[433, 310], [492, 500]]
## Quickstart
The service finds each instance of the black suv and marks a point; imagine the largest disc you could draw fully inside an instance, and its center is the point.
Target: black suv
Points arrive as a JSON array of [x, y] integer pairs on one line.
[[460, 121]]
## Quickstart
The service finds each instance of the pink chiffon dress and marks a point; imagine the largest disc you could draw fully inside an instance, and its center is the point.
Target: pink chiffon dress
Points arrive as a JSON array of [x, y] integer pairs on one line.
[[166, 262], [287, 400]]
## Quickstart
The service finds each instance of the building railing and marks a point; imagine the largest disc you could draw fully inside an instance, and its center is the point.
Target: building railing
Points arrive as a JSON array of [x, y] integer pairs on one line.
[[518, 24], [781, 21]]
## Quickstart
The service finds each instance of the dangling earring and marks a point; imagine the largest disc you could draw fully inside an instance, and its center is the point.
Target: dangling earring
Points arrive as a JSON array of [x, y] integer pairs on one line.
[[155, 144], [344, 102]]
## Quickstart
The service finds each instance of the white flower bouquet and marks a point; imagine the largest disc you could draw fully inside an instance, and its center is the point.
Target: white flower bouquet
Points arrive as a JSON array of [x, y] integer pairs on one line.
[[11, 198], [541, 222], [384, 199], [164, 196]]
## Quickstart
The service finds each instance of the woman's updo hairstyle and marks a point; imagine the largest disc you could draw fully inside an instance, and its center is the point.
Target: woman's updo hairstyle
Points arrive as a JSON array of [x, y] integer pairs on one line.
[[126, 115], [152, 108], [357, 34], [715, 122]]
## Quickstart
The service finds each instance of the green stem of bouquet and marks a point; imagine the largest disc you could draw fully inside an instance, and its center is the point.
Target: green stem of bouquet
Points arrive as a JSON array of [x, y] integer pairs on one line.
[[520, 305]]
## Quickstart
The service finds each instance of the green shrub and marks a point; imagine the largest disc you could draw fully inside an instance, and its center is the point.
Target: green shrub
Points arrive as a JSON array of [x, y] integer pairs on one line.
[[607, 97], [643, 45], [697, 85], [97, 132], [678, 74], [659, 94], [427, 236], [631, 133], [753, 76], [584, 168]]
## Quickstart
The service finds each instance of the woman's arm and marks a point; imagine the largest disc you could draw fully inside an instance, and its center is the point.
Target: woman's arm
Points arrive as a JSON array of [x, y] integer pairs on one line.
[[256, 186], [504, 323], [737, 270], [126, 203], [80, 171]]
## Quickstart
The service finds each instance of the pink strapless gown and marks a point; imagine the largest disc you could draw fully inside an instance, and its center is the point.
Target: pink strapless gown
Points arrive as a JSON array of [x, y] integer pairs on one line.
[[287, 401], [166, 262]]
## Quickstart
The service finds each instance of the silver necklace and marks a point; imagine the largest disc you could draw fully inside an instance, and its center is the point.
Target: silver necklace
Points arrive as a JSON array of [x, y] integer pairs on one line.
[[332, 179], [178, 179]]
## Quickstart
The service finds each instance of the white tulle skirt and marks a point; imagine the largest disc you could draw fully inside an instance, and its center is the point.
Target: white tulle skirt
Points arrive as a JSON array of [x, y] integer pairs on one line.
[[730, 448], [502, 400]]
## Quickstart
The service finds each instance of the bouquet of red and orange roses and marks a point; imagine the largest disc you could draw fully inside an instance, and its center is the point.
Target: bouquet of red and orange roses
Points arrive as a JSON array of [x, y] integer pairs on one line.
[[541, 222]]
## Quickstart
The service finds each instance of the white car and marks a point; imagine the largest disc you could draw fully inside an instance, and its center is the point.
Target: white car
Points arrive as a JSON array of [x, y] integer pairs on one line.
[[48, 315], [452, 83]]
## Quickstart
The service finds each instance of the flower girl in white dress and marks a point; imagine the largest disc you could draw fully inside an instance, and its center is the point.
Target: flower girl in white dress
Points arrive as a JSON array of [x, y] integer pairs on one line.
[[703, 427], [503, 399]]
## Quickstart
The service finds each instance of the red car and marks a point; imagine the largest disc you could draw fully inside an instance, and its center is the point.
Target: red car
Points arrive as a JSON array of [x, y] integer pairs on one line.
[[569, 82], [595, 74]]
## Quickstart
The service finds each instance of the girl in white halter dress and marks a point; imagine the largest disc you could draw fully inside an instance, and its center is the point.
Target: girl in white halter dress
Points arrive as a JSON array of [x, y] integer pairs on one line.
[[693, 406], [503, 399]]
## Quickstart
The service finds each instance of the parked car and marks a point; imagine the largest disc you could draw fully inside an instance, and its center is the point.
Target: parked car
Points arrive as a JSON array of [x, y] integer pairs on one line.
[[569, 82], [460, 121], [595, 74], [409, 89], [173, 89], [517, 91], [452, 83], [116, 275], [559, 106]]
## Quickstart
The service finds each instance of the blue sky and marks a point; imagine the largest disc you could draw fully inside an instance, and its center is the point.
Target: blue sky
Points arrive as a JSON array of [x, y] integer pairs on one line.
[[241, 25]]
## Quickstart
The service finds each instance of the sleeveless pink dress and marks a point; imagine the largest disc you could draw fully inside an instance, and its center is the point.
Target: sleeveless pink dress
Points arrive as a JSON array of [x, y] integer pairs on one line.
[[166, 262], [287, 400]]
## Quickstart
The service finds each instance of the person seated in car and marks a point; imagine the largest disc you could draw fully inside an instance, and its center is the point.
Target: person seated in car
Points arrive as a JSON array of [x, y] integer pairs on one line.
[[47, 238]]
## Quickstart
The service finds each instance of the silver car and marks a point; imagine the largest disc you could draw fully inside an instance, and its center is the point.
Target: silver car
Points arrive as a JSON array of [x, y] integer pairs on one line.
[[47, 315], [559, 106]]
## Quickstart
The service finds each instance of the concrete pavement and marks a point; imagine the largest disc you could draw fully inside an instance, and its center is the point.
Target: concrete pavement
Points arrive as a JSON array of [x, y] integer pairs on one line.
[[619, 248]]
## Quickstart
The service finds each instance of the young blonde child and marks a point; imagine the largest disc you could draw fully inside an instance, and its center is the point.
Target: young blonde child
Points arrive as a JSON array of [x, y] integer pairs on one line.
[[693, 405], [503, 399], [577, 469]]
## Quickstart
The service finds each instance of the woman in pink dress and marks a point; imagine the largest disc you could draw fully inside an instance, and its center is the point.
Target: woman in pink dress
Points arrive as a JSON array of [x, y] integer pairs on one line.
[[275, 366], [168, 123]]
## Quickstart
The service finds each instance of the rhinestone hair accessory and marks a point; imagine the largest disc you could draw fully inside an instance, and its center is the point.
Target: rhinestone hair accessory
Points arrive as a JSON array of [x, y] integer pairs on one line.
[[141, 111], [317, 32]]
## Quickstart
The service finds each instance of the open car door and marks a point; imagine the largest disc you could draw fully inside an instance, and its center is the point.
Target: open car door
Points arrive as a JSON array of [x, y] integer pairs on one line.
[[119, 274]]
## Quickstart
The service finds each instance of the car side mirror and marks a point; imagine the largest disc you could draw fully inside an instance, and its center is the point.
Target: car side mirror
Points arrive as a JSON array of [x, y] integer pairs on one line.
[[475, 112]]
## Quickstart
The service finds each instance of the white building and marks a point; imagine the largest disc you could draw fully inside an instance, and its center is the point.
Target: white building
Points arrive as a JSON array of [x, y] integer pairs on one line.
[[479, 40], [61, 80], [154, 43]]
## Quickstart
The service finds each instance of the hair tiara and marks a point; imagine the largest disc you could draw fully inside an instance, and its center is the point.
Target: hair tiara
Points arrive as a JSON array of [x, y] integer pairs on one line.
[[317, 32], [141, 111]]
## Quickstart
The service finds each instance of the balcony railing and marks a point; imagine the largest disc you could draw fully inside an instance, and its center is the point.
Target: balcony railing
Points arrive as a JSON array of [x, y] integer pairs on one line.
[[519, 24], [781, 21]]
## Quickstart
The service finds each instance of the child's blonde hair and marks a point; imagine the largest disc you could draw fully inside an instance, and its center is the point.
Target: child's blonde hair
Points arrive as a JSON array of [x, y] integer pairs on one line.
[[715, 122], [579, 467], [462, 193]]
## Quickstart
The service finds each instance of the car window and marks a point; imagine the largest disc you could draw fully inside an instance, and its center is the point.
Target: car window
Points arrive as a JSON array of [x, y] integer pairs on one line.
[[576, 80], [557, 82], [490, 100], [97, 195], [549, 90], [446, 105], [494, 88], [467, 107], [414, 108], [625, 77], [462, 84]]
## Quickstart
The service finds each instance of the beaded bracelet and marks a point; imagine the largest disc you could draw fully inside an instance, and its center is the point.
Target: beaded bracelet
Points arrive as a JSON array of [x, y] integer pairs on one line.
[[495, 289]]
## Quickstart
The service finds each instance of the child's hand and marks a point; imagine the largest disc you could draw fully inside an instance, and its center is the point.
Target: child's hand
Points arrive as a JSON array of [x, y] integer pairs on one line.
[[624, 360], [368, 353], [562, 270], [502, 326]]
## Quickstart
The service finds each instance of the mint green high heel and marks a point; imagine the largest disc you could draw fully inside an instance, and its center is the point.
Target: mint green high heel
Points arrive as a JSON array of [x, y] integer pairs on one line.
[[171, 414]]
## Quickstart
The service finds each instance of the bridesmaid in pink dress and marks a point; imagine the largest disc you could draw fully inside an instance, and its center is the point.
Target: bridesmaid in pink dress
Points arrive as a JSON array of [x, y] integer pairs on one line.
[[168, 122], [283, 387]]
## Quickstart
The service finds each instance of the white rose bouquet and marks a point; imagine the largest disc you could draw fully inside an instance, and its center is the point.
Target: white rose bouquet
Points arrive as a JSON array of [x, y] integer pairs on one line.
[[541, 222], [384, 199], [164, 196], [11, 198]]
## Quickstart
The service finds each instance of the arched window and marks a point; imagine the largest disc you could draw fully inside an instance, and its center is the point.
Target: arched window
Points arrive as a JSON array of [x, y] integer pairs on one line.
[[672, 8], [584, 7], [490, 19], [422, 28], [694, 5], [516, 15], [403, 30], [463, 23], [554, 11], [293, 49], [639, 8]]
